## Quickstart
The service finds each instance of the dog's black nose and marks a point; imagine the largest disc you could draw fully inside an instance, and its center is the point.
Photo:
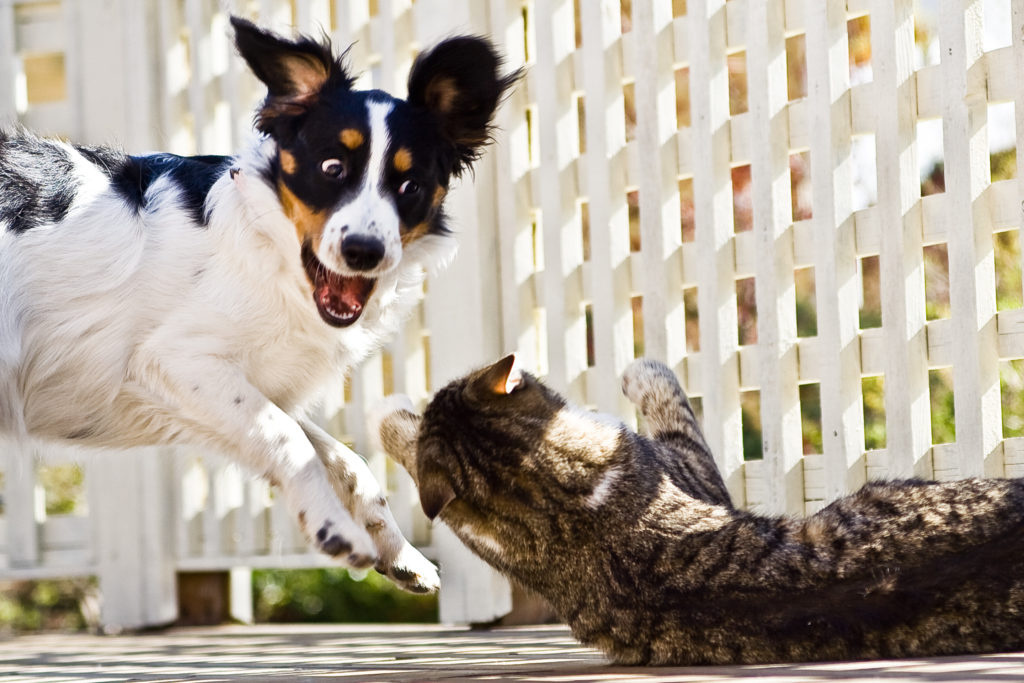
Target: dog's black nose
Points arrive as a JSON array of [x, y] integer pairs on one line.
[[361, 252]]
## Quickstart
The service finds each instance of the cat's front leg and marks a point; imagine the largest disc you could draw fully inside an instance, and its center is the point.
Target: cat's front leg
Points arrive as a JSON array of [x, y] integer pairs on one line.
[[359, 491]]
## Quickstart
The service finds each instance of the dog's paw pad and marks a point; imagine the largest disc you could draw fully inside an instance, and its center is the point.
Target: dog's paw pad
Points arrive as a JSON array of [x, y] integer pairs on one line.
[[338, 546]]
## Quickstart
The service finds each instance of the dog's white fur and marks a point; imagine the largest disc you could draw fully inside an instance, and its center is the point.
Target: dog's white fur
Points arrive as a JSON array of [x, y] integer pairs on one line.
[[120, 328]]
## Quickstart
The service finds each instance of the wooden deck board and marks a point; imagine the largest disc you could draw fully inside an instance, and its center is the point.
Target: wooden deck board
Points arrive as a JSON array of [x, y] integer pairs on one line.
[[412, 653]]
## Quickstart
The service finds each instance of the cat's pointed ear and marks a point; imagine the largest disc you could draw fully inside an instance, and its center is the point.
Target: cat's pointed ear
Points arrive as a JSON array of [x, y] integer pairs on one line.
[[505, 376], [436, 493]]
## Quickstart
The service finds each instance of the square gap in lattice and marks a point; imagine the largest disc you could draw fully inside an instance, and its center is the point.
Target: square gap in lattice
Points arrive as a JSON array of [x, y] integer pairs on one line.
[[692, 314], [873, 397], [1002, 141], [796, 66], [633, 206], [63, 488], [810, 418], [940, 398], [750, 412], [687, 224], [629, 109], [871, 294], [865, 171], [931, 157], [45, 78], [746, 311], [682, 78], [737, 67], [1006, 245], [637, 303], [588, 316], [1011, 389], [858, 31], [806, 306], [742, 202], [936, 281], [800, 185]]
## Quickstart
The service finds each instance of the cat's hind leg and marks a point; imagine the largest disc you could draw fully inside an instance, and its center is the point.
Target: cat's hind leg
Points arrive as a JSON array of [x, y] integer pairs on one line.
[[670, 419], [661, 400]]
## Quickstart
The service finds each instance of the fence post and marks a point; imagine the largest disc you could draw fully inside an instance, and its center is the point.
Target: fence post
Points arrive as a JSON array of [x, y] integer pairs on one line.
[[20, 495], [8, 64], [772, 218], [713, 218], [835, 257], [969, 231], [907, 410], [130, 506]]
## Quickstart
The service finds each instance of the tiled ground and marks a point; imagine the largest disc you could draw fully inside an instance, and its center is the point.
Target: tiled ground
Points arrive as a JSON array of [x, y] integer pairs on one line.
[[412, 653]]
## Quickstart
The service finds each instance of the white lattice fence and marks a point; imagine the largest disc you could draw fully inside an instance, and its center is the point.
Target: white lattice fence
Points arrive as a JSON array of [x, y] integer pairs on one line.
[[673, 177]]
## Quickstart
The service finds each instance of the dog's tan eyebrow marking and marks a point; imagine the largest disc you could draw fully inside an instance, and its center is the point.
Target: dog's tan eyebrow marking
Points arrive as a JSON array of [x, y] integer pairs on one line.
[[288, 163], [351, 138], [402, 160]]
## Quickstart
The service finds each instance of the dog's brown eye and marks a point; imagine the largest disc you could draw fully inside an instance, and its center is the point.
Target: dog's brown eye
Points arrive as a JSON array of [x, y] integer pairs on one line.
[[409, 187], [333, 168]]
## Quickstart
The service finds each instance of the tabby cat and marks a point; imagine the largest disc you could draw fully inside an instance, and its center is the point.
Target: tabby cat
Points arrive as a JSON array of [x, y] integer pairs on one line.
[[636, 544]]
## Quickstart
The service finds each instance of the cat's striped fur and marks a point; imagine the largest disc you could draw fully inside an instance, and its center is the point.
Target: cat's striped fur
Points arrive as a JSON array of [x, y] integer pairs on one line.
[[635, 543]]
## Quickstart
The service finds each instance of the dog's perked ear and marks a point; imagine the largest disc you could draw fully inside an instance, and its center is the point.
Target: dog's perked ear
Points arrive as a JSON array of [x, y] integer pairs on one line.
[[294, 71], [458, 81]]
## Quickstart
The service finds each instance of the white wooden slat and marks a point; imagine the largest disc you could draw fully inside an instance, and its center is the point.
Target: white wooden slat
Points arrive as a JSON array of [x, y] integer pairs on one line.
[[774, 285], [712, 191], [513, 201], [971, 258], [664, 317], [558, 136], [174, 70], [463, 334], [907, 407], [9, 63], [835, 263], [608, 281], [21, 503], [133, 561], [1016, 198]]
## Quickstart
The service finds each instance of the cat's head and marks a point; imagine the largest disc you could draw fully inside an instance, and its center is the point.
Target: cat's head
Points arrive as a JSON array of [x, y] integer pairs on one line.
[[498, 455]]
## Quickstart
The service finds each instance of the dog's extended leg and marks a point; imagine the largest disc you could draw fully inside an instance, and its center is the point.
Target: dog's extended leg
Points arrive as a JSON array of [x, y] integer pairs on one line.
[[227, 410], [360, 492]]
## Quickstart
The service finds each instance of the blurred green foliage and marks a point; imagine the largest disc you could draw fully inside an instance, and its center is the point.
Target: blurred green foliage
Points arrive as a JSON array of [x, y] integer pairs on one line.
[[61, 605], [333, 595]]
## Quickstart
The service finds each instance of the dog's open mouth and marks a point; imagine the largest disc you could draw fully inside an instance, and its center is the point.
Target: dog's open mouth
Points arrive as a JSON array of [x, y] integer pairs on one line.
[[339, 299]]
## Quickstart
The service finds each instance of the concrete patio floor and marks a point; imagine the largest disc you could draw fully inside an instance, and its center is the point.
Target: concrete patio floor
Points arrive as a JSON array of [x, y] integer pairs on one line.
[[413, 653]]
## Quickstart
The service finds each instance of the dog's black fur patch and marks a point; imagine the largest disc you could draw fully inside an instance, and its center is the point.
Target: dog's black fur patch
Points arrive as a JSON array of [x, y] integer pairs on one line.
[[131, 176], [37, 182]]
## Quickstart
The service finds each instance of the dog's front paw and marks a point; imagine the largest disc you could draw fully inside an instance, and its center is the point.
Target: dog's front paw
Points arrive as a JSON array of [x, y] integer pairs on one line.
[[344, 545], [333, 532], [412, 572]]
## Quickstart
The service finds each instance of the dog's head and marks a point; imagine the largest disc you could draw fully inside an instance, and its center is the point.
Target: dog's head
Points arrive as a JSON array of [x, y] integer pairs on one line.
[[362, 174]]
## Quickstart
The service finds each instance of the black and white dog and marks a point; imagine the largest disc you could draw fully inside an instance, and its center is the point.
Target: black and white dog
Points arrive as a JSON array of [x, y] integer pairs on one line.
[[208, 300]]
